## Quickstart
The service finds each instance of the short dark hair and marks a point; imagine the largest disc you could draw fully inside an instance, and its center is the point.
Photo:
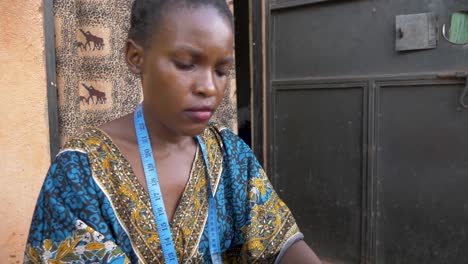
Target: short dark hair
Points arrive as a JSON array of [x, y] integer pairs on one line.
[[146, 14]]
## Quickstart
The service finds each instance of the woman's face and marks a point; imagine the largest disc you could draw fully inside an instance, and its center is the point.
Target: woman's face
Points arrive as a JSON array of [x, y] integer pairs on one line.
[[185, 69]]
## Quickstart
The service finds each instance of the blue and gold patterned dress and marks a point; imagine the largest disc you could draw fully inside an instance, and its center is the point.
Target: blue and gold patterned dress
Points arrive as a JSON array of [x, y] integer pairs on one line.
[[92, 208]]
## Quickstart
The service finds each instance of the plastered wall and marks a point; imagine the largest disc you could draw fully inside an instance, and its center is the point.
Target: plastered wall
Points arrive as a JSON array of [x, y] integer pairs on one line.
[[24, 134]]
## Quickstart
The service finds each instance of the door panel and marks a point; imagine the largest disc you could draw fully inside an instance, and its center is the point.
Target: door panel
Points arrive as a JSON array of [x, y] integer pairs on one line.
[[319, 157], [422, 175]]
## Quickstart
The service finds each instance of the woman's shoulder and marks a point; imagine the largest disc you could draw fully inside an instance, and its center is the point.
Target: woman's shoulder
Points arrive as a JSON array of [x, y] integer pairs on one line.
[[86, 141], [75, 152], [220, 133], [104, 136], [91, 148], [229, 142]]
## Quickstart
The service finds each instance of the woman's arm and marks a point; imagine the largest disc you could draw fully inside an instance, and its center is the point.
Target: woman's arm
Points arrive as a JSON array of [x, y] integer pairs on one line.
[[298, 253], [268, 231], [68, 225]]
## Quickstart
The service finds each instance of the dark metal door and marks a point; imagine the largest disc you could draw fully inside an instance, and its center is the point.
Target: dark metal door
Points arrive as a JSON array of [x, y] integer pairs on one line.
[[368, 145]]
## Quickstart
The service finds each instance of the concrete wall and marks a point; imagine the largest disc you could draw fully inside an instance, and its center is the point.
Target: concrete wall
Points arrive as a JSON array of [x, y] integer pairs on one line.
[[24, 134]]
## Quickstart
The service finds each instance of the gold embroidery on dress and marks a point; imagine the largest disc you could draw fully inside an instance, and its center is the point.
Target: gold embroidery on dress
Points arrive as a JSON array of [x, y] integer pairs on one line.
[[271, 221], [131, 203]]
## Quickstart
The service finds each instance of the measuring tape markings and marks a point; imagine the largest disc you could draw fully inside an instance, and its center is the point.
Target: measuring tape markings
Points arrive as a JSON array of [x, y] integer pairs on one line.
[[157, 203]]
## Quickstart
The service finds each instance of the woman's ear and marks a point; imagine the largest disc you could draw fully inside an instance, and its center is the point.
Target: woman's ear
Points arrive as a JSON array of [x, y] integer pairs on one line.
[[134, 56]]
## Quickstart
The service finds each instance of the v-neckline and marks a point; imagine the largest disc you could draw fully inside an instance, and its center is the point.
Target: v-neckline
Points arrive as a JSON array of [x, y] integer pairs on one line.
[[179, 210]]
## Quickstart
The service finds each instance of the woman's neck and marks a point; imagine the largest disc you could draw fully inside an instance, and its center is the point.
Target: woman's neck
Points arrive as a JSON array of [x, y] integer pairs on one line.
[[163, 138]]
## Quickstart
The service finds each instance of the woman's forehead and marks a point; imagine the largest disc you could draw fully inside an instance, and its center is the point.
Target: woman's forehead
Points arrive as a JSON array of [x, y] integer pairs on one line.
[[194, 27]]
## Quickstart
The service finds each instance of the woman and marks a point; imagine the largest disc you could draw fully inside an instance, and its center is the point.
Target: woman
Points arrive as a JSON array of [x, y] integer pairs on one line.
[[208, 200]]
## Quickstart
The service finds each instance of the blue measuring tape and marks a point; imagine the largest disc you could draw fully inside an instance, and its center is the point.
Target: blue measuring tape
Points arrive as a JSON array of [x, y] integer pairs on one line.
[[213, 237], [157, 203]]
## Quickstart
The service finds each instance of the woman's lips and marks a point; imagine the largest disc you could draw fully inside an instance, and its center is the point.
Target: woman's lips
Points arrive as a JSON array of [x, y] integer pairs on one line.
[[200, 115]]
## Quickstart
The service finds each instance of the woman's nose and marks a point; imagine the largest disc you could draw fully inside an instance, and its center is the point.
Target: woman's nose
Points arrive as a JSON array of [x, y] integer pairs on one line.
[[205, 85]]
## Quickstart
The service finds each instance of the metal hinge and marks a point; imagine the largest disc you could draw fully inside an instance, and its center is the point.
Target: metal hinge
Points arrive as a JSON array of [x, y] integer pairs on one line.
[[459, 75]]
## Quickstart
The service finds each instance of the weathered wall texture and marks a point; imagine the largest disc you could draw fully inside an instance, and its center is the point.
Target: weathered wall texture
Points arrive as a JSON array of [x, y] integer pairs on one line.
[[24, 135]]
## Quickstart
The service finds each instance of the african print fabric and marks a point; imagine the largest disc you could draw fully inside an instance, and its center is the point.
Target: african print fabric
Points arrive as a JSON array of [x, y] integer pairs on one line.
[[93, 209]]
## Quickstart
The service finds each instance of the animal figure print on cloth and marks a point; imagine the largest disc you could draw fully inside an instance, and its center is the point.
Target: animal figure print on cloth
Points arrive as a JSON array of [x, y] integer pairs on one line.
[[94, 83], [89, 44], [94, 95]]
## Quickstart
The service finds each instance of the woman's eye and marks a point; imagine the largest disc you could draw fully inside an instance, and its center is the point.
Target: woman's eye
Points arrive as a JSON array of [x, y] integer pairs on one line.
[[221, 72], [184, 66]]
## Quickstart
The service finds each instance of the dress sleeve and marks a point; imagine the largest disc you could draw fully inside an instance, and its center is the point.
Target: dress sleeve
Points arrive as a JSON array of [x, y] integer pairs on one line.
[[67, 226], [264, 225]]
